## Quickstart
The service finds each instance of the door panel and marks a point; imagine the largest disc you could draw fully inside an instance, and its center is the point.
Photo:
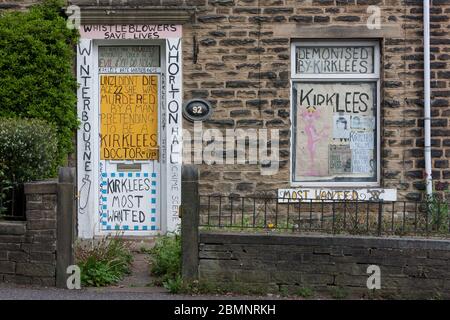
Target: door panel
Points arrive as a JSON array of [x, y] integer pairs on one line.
[[129, 198]]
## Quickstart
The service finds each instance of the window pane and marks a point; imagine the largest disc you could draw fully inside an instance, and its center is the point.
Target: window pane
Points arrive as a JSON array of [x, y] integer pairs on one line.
[[335, 60], [335, 131], [128, 57]]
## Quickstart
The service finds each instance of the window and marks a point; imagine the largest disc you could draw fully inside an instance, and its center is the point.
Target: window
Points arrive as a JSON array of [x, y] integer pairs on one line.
[[128, 59], [335, 113]]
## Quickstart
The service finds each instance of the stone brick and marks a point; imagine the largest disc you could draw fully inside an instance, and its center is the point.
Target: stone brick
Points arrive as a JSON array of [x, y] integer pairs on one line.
[[7, 267], [240, 113], [18, 256], [18, 279], [41, 224], [12, 239], [12, 228], [35, 269], [211, 18], [250, 123]]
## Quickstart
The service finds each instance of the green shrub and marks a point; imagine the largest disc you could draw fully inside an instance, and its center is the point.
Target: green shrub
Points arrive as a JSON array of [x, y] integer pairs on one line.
[[174, 285], [438, 211], [338, 293], [167, 261], [36, 69], [28, 150], [105, 262], [305, 292], [5, 188]]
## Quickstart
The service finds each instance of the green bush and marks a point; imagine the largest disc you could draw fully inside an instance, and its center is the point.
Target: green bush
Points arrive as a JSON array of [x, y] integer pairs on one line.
[[28, 150], [166, 262], [305, 292], [36, 69], [5, 188], [438, 210], [105, 262], [175, 285]]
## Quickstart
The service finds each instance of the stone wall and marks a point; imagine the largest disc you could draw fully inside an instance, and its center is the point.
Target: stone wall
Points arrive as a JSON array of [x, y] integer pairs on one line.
[[28, 249], [37, 251], [328, 265]]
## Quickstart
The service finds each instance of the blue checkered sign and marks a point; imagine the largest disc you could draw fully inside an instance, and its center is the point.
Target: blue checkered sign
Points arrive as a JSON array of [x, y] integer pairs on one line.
[[129, 201]]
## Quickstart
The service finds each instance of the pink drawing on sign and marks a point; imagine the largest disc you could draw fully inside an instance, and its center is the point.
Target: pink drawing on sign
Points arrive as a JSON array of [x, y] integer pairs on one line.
[[310, 116]]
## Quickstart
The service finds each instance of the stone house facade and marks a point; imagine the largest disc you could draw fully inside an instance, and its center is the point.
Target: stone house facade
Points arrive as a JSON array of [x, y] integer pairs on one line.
[[255, 61], [237, 55]]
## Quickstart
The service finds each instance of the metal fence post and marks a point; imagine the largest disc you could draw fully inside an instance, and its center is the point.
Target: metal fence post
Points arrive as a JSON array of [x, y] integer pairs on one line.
[[189, 222], [380, 217]]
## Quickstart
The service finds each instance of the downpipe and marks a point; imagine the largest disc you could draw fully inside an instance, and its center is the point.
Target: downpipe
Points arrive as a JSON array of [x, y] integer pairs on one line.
[[427, 105]]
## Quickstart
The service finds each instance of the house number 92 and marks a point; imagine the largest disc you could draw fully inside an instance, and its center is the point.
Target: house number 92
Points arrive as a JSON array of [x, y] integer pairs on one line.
[[197, 110]]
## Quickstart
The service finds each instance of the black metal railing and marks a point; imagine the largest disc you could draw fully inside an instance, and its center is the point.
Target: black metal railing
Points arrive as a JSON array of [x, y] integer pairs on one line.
[[232, 212], [12, 205]]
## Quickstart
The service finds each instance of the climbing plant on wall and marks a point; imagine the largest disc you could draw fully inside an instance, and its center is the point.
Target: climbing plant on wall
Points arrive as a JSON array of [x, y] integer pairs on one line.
[[36, 69]]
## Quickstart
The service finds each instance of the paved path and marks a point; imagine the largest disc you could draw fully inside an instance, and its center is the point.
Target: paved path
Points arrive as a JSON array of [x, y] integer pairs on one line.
[[15, 292]]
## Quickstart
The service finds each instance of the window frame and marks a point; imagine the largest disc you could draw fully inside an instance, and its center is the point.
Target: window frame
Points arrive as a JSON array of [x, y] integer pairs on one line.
[[349, 77]]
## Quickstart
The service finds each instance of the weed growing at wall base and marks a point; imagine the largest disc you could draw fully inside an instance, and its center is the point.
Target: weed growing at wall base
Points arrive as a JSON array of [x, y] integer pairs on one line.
[[105, 262], [166, 264], [438, 211]]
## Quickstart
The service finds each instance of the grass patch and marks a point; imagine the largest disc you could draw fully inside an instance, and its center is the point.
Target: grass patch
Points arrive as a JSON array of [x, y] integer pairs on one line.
[[339, 293], [105, 262], [166, 262], [305, 292], [222, 288]]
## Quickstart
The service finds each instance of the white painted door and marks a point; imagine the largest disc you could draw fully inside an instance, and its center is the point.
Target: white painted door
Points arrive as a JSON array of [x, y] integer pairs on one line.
[[129, 138]]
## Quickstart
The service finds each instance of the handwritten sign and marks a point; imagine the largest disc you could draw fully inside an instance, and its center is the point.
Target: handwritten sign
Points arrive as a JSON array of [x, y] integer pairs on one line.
[[128, 202], [129, 117], [128, 56], [362, 161], [335, 60], [300, 194], [361, 140], [130, 31]]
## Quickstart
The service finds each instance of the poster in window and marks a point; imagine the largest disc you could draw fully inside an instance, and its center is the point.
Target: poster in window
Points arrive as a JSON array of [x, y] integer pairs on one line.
[[341, 126], [340, 157], [335, 60], [129, 117], [334, 121], [362, 122], [362, 161], [128, 59]]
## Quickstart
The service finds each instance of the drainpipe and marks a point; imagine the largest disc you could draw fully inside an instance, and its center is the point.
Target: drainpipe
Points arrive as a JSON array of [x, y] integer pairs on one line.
[[426, 85]]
